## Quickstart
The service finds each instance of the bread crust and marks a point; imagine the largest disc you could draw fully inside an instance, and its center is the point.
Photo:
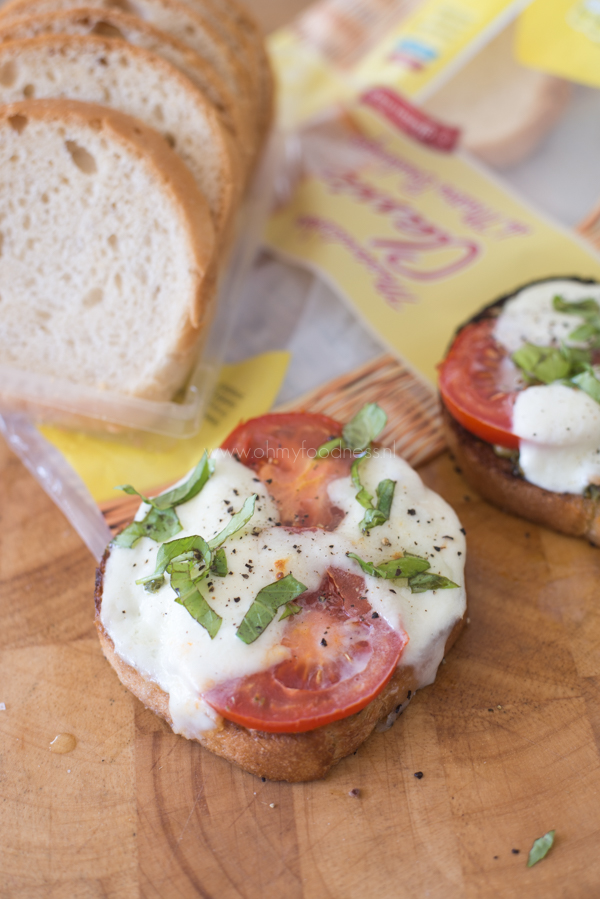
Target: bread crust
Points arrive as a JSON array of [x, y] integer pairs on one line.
[[92, 46], [497, 481], [290, 757], [117, 24], [179, 20], [177, 180]]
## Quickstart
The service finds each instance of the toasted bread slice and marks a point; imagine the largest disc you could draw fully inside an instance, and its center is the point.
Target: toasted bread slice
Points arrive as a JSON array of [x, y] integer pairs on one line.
[[114, 277], [117, 74], [498, 481], [290, 757]]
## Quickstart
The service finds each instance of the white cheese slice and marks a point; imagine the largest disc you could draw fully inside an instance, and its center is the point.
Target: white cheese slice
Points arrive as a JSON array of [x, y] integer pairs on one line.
[[159, 638], [558, 426]]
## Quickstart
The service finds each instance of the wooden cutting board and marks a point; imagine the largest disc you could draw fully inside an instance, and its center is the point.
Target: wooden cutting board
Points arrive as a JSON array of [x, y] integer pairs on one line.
[[507, 740]]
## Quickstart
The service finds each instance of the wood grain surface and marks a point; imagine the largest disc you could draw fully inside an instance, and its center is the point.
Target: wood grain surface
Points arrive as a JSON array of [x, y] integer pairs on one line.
[[507, 739]]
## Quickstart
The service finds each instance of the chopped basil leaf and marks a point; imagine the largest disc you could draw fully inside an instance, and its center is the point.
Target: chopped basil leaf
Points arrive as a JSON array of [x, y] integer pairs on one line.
[[326, 448], [218, 565], [170, 551], [420, 583], [589, 310], [159, 525], [190, 597], [357, 435], [545, 364], [385, 495], [290, 609], [540, 848], [586, 307], [161, 522], [264, 608], [178, 495], [584, 333], [365, 427], [367, 567], [375, 515], [237, 522], [589, 383], [566, 365], [189, 489], [408, 566], [380, 514], [363, 496]]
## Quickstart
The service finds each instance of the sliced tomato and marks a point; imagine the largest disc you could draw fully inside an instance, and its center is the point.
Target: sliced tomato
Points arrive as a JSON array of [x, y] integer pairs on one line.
[[282, 449], [341, 656], [474, 383]]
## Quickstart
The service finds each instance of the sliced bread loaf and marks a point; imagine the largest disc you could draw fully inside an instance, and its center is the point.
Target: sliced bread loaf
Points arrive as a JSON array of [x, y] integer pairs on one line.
[[174, 18], [117, 74], [106, 249], [112, 23]]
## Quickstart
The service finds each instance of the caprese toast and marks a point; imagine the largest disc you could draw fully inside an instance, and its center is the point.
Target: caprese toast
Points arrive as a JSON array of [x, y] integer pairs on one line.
[[521, 393], [291, 593]]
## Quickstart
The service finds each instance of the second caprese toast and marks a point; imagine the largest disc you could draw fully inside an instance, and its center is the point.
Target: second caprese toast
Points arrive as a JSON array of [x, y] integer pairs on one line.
[[521, 392]]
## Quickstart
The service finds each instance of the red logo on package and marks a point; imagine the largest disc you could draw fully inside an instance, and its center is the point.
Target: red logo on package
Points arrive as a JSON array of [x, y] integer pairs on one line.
[[411, 120]]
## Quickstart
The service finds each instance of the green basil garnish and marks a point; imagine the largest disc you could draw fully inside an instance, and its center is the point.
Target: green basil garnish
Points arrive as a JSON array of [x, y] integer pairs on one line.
[[407, 566], [158, 525], [170, 551], [375, 515], [540, 848], [589, 383], [365, 427], [587, 307], [421, 583], [218, 566], [237, 522], [161, 522], [545, 364], [264, 608], [190, 597], [290, 609], [571, 366], [190, 560], [410, 567], [589, 310], [358, 434]]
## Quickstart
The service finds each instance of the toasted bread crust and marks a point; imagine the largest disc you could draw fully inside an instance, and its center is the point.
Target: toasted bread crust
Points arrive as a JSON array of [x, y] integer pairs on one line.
[[496, 480], [290, 757]]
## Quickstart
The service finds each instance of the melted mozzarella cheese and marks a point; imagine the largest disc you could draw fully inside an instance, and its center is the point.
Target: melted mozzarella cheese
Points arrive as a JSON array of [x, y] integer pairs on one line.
[[161, 640], [529, 316], [558, 426], [559, 437]]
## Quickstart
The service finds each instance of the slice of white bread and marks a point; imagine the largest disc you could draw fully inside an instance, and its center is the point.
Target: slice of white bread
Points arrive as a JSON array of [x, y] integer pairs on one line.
[[236, 20], [503, 108], [117, 74], [174, 18], [106, 249], [112, 23], [237, 15]]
